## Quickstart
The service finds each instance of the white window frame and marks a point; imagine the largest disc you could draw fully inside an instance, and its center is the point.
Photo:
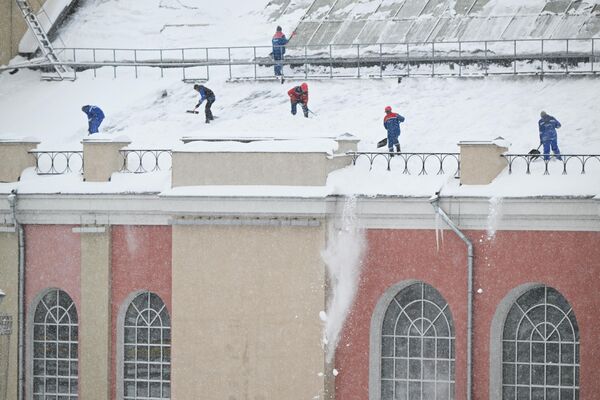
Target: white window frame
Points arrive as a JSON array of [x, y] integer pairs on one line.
[[29, 350], [496, 335], [376, 329], [120, 352]]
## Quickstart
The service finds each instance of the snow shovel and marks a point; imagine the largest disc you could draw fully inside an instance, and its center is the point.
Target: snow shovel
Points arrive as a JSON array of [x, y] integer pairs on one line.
[[534, 153], [192, 111], [382, 142]]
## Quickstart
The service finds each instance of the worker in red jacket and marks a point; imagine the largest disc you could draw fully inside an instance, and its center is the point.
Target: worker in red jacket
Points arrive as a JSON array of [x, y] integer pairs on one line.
[[299, 94]]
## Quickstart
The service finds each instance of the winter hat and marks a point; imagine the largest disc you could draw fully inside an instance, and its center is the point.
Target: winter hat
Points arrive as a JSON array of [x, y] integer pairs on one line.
[[196, 87], [543, 114], [304, 87], [388, 109], [279, 29], [83, 108]]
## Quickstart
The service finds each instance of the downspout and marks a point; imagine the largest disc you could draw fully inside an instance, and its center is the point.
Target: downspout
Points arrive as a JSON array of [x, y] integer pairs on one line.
[[12, 199], [434, 200]]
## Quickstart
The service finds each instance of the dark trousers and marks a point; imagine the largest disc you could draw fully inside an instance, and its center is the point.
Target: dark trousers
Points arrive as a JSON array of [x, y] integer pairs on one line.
[[278, 67], [393, 140], [93, 125], [207, 111], [554, 145], [304, 108]]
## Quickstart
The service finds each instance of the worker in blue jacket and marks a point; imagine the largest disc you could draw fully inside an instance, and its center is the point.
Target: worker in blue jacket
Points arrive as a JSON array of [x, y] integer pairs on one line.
[[95, 117], [391, 122], [279, 41], [548, 136], [209, 96]]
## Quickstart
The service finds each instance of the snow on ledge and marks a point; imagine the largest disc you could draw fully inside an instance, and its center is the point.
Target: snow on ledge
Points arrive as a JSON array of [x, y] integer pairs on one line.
[[248, 191], [261, 146]]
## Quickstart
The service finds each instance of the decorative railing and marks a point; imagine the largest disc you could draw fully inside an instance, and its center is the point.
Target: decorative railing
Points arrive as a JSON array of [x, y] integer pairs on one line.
[[451, 58], [412, 163], [58, 162], [143, 161], [532, 164]]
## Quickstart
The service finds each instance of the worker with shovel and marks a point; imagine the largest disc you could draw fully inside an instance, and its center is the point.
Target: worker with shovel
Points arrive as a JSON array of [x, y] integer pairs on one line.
[[209, 96], [391, 122], [548, 136]]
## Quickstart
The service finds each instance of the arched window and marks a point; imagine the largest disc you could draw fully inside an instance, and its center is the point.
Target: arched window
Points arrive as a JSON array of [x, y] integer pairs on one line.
[[540, 348], [417, 346], [55, 338], [147, 349]]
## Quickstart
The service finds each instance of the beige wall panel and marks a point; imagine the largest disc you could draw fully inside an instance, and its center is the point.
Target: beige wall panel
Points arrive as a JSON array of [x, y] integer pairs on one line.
[[246, 302], [9, 269], [12, 28], [95, 316]]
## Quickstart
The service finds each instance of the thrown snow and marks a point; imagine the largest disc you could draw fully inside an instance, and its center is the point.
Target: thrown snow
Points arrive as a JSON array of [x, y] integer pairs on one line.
[[343, 257], [494, 216]]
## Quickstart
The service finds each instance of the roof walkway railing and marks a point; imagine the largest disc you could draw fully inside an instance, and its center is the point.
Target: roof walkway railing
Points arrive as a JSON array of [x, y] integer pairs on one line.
[[461, 58]]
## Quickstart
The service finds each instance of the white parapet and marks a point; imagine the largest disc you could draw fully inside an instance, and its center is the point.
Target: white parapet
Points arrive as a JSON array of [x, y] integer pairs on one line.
[[102, 158], [293, 162], [15, 157], [481, 161]]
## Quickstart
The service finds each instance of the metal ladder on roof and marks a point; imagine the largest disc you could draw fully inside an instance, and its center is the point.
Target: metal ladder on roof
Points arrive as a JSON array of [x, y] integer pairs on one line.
[[61, 72]]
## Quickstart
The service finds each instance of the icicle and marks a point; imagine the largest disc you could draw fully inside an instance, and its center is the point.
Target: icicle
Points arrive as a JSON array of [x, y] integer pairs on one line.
[[494, 215]]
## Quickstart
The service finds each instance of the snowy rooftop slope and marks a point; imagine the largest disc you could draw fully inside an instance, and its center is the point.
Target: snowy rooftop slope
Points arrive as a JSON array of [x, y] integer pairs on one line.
[[397, 21], [167, 24], [439, 112], [191, 23]]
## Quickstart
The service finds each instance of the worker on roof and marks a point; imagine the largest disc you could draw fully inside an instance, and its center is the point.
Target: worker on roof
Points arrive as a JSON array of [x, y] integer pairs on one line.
[[95, 117], [391, 122], [299, 95], [279, 41]]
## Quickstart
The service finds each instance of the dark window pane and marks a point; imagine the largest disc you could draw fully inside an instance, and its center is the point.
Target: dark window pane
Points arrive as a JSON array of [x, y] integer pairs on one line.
[[552, 355], [443, 391], [401, 368], [567, 394], [552, 394], [414, 347], [401, 347], [443, 348], [387, 390], [414, 391], [522, 393], [387, 368], [508, 374], [567, 376], [532, 297], [523, 374], [387, 346], [537, 374], [523, 351], [567, 353], [538, 352], [552, 375], [429, 348], [508, 351], [508, 393], [443, 370], [429, 369], [401, 390], [414, 369], [537, 393]]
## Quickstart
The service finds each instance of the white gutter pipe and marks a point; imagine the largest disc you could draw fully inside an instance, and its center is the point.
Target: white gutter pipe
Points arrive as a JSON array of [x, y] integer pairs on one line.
[[434, 200], [12, 200]]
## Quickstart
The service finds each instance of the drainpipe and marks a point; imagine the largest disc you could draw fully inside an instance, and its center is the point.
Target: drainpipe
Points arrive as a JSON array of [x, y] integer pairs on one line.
[[12, 200], [434, 200]]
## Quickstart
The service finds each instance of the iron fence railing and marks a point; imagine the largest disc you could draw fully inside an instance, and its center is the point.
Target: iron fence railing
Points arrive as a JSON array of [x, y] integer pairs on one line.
[[528, 164], [456, 58], [412, 163], [57, 162], [143, 161]]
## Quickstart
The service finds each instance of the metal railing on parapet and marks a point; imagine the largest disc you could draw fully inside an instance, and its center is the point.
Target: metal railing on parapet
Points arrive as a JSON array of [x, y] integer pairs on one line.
[[412, 163], [134, 161], [458, 58], [562, 164]]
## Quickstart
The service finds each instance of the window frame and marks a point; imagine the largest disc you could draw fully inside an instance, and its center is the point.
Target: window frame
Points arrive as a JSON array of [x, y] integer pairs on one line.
[[120, 348], [376, 332], [497, 334], [29, 340]]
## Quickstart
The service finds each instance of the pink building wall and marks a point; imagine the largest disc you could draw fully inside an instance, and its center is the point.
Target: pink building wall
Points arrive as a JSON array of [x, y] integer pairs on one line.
[[141, 260], [566, 261]]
